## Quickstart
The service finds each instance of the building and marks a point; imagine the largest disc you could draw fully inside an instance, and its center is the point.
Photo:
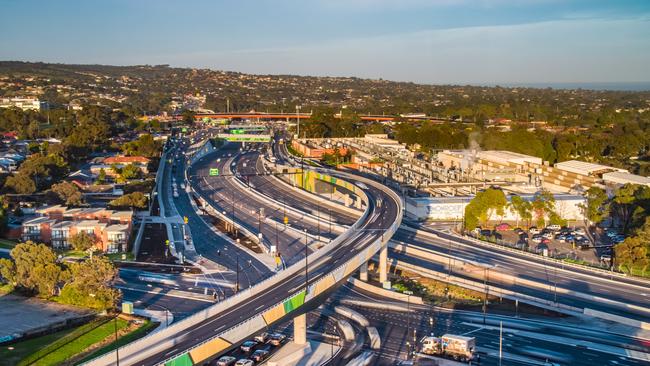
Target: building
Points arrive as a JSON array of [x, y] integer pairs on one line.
[[56, 225], [618, 178], [122, 161], [316, 148], [569, 207], [25, 104]]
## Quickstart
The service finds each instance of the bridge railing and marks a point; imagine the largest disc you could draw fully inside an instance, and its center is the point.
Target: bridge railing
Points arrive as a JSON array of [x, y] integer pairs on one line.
[[256, 323], [165, 339]]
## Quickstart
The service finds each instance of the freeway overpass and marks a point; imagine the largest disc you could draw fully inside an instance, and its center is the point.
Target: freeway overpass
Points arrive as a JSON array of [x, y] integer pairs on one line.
[[286, 294]]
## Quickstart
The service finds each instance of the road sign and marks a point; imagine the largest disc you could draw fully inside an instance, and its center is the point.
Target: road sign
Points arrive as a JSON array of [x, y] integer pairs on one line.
[[167, 242], [214, 172]]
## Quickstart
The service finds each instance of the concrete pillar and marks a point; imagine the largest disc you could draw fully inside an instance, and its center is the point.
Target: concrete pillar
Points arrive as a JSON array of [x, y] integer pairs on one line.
[[363, 272], [383, 263], [359, 202], [300, 329], [348, 202]]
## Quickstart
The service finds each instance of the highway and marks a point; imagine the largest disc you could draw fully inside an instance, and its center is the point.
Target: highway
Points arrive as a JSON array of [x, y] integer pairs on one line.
[[378, 221]]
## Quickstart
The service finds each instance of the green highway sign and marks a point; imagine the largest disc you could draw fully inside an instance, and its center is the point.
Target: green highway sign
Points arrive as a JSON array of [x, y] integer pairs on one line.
[[214, 171]]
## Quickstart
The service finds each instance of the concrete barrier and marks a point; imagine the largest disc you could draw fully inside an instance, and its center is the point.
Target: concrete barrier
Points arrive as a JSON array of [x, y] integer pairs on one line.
[[351, 314], [346, 329], [617, 319], [373, 337]]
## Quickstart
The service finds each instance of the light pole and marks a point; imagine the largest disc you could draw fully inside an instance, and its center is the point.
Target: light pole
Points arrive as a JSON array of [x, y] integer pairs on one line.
[[117, 348], [306, 264], [298, 119]]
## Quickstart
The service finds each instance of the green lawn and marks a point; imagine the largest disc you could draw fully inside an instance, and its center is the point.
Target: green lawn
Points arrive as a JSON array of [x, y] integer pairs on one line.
[[23, 349], [118, 256], [138, 333]]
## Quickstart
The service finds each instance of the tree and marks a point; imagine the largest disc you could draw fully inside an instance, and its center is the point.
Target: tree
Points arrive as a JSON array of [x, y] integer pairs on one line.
[[83, 241], [90, 285], [543, 205], [485, 204], [130, 171], [101, 177], [67, 193], [145, 145], [34, 268], [634, 251], [131, 200], [597, 207], [21, 184], [522, 208]]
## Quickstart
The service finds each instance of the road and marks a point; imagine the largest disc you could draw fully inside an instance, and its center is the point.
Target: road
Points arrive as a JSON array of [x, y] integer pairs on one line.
[[379, 220]]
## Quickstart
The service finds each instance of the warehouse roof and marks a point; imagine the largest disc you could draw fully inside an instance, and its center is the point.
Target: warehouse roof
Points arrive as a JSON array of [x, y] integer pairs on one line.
[[502, 156], [585, 168], [625, 177]]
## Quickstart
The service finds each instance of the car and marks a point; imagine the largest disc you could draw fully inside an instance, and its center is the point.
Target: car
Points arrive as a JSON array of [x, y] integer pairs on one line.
[[523, 235], [560, 237], [260, 355], [277, 339], [547, 235], [606, 258], [554, 227], [580, 230], [611, 233], [533, 230], [541, 247], [569, 237], [521, 244], [502, 227], [248, 346], [518, 230], [486, 232], [618, 238], [262, 338], [537, 238], [244, 362], [546, 241], [476, 230], [226, 361]]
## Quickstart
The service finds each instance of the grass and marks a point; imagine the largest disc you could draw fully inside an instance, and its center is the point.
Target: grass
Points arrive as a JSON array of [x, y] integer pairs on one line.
[[143, 330], [74, 343], [23, 349]]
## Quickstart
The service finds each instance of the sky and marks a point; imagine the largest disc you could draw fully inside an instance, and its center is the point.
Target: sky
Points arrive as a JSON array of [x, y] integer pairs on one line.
[[435, 41]]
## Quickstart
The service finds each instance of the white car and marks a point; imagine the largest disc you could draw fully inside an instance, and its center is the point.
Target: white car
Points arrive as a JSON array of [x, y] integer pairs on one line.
[[245, 362], [534, 230], [554, 227]]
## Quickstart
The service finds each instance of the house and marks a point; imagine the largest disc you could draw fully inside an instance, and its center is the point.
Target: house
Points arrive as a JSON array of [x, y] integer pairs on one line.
[[38, 229], [122, 161]]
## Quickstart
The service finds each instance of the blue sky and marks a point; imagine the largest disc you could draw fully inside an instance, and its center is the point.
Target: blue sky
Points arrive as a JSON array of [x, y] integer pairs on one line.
[[435, 41]]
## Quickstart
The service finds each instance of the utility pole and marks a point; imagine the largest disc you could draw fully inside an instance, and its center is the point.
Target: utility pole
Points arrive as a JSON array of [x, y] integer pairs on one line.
[[237, 283], [117, 349]]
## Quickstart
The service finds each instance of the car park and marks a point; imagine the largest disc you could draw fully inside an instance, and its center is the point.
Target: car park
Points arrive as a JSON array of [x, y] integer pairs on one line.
[[226, 361], [248, 346]]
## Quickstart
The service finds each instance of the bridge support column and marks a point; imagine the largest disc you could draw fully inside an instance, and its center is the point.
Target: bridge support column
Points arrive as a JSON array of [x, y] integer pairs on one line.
[[363, 272], [348, 202], [300, 329], [383, 263], [359, 203]]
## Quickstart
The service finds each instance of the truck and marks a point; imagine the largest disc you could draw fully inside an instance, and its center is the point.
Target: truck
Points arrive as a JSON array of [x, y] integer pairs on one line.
[[449, 345]]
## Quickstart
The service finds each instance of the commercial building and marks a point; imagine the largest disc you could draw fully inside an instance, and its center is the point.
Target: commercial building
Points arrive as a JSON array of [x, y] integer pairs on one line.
[[569, 207], [619, 178], [316, 148], [23, 103]]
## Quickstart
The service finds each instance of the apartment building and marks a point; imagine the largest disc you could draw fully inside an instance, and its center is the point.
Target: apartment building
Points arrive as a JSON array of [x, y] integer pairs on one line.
[[23, 103], [56, 225]]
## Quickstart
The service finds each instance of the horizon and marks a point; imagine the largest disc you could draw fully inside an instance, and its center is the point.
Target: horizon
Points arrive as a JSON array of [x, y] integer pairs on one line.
[[440, 42]]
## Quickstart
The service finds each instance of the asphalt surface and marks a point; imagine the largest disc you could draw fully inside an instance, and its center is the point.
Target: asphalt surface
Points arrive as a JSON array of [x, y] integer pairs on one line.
[[378, 221]]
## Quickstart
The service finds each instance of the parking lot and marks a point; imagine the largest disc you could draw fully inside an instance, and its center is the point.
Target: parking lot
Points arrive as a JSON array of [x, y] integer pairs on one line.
[[575, 243]]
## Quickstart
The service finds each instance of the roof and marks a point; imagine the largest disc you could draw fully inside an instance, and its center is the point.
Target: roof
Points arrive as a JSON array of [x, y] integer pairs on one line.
[[122, 214], [625, 177], [116, 228], [62, 225], [502, 156], [38, 220], [126, 159], [585, 168], [89, 224]]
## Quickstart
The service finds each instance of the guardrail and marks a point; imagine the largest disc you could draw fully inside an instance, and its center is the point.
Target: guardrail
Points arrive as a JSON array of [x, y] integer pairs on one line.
[[165, 339]]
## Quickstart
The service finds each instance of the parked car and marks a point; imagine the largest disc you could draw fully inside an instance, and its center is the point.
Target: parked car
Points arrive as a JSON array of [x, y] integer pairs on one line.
[[521, 244], [606, 258], [560, 237], [486, 232], [502, 227], [523, 235], [537, 238], [554, 227], [248, 346], [260, 355], [541, 247], [245, 362], [547, 235], [277, 339], [226, 361], [262, 338], [533, 230], [580, 230], [518, 230], [546, 241], [611, 233]]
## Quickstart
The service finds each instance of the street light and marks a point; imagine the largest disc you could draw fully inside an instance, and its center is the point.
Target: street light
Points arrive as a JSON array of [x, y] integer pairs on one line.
[[306, 264], [298, 119]]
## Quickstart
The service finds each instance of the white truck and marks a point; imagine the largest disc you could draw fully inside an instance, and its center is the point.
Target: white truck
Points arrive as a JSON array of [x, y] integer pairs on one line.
[[449, 345]]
